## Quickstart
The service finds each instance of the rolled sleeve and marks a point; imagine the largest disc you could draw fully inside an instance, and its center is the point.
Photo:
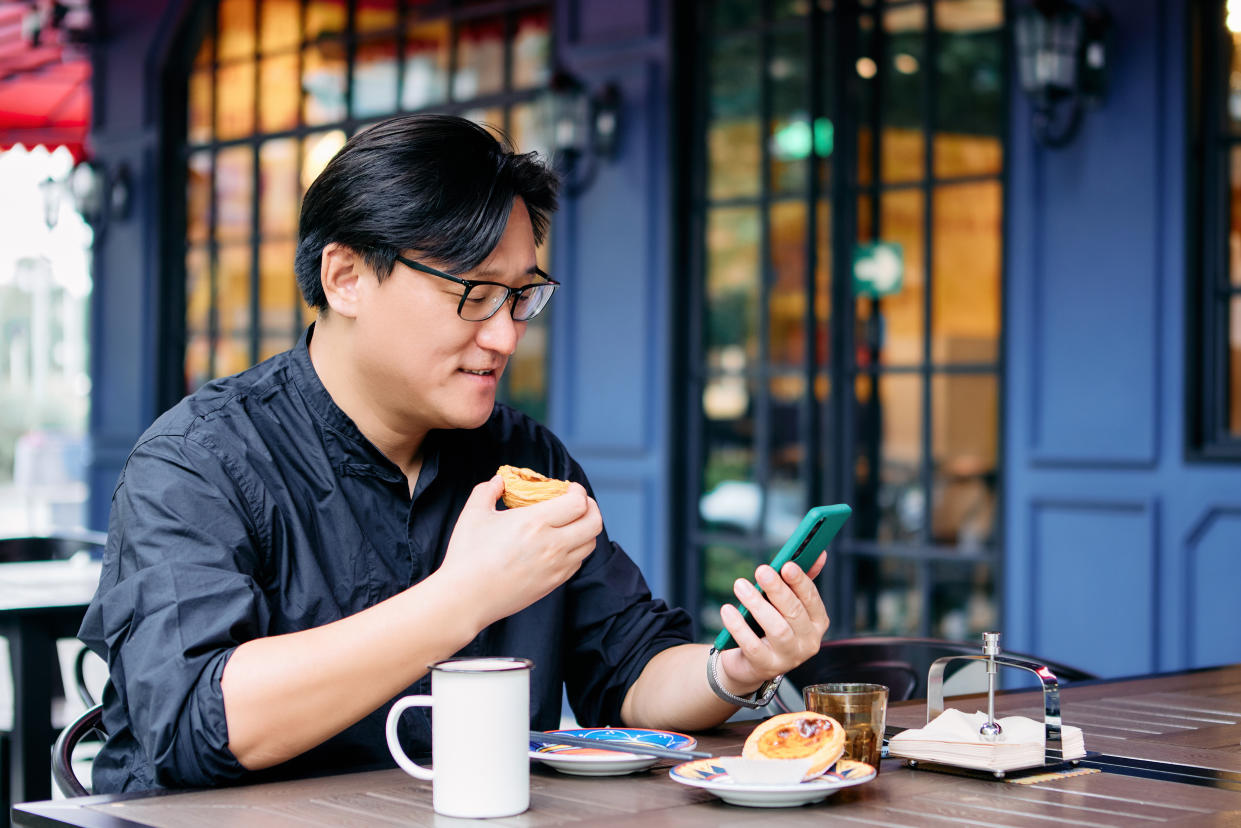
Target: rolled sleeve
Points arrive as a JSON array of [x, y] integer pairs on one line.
[[180, 589]]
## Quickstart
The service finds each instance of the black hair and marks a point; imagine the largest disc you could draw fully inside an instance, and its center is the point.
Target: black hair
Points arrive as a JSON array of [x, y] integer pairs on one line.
[[438, 184]]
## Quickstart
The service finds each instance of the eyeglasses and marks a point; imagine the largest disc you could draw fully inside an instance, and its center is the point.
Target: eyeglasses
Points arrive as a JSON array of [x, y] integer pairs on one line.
[[480, 300]]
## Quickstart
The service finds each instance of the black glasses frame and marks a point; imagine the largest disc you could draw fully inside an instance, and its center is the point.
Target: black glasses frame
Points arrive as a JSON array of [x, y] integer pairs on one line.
[[514, 293]]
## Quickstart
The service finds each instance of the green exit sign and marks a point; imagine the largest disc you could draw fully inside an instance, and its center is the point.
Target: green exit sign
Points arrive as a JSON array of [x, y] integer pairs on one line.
[[878, 269]]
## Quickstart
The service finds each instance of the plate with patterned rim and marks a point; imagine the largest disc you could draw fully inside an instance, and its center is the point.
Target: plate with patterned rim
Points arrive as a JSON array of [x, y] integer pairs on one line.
[[709, 775], [581, 761]]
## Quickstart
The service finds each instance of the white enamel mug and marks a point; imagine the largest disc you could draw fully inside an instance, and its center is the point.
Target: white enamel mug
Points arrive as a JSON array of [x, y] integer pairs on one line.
[[480, 736]]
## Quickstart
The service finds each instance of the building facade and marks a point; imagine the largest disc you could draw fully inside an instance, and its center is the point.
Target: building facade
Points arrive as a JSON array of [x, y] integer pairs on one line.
[[827, 261]]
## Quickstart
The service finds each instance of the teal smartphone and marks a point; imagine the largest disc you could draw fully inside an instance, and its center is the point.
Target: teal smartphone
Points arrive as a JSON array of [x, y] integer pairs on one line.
[[811, 537]]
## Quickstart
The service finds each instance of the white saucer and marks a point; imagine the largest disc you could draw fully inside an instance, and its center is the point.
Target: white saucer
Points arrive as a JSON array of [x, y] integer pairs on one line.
[[709, 775], [580, 761]]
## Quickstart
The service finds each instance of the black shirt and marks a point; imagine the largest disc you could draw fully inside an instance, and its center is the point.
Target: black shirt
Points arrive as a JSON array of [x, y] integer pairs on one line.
[[255, 507]]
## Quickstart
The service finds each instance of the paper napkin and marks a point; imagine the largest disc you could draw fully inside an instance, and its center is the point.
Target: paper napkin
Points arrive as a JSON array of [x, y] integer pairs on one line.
[[953, 739]]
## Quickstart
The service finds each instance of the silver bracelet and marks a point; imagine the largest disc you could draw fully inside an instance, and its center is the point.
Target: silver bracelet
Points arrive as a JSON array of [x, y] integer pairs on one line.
[[759, 698]]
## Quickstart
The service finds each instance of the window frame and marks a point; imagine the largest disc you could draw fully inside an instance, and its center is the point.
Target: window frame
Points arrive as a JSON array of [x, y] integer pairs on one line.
[[1207, 438], [828, 427], [170, 292]]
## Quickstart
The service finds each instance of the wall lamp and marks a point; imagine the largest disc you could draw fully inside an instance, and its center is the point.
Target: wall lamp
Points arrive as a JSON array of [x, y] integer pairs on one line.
[[583, 128], [1061, 59], [98, 196]]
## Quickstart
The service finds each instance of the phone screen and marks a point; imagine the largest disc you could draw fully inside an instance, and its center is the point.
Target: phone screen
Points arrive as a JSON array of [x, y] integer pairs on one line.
[[813, 534]]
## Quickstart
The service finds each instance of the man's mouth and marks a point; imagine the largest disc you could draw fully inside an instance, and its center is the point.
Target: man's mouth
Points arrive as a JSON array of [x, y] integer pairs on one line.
[[478, 373]]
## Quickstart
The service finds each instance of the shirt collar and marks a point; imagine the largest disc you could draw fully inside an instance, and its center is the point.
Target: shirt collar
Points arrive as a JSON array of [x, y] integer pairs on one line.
[[347, 446]]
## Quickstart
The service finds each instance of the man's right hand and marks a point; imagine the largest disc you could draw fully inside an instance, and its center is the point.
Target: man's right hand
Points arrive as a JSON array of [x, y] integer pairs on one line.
[[506, 560]]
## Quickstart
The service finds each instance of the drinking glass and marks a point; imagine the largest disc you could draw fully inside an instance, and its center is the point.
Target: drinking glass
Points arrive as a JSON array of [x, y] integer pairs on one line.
[[861, 710]]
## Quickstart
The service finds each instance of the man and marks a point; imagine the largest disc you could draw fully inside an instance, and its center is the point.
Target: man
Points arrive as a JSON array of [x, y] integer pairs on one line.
[[290, 547]]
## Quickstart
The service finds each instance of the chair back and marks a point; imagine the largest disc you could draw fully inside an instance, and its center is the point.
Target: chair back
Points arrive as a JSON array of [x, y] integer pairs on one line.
[[66, 780], [901, 664]]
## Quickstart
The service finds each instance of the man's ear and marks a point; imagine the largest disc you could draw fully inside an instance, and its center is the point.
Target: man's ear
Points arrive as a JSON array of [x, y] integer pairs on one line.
[[338, 273]]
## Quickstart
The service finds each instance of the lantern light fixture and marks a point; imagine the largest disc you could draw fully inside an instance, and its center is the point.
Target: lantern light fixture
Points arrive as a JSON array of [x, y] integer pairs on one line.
[[1062, 63]]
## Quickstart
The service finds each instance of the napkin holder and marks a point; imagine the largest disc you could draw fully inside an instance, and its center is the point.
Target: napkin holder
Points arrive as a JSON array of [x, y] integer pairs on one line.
[[1051, 713]]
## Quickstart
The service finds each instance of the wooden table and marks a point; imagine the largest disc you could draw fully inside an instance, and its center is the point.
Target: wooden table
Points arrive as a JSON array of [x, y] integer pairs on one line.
[[39, 603], [1114, 715]]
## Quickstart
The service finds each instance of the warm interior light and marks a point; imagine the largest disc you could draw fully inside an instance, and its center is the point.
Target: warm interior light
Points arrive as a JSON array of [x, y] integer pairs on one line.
[[905, 63], [1232, 17], [866, 67]]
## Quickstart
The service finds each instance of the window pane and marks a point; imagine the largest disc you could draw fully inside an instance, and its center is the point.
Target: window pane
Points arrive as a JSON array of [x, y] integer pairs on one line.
[[374, 78], [426, 65], [866, 68], [903, 109], [889, 498], [964, 423], [968, 242], [526, 376], [325, 18], [730, 495], [235, 27], [278, 295], [889, 600], [197, 291], [279, 195], [491, 117], [278, 93], [971, 103], [897, 334], [722, 565], [531, 49], [197, 361], [823, 281], [480, 59], [526, 129], [735, 14], [279, 25], [198, 196], [201, 88], [732, 282], [317, 150], [234, 180], [790, 141], [1234, 85], [323, 83], [786, 491], [1234, 216], [233, 291], [232, 355], [375, 16], [1234, 367], [963, 604], [235, 100], [733, 153], [787, 299]]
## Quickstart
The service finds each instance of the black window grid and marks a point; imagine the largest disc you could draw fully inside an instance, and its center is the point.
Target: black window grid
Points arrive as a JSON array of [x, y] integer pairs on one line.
[[455, 12], [828, 426]]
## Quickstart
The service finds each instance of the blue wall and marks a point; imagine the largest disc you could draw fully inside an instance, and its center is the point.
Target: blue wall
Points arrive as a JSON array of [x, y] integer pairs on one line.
[[1121, 556], [611, 337]]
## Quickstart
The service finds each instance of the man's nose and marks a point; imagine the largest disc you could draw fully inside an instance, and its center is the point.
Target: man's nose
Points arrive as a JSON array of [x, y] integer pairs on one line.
[[500, 333]]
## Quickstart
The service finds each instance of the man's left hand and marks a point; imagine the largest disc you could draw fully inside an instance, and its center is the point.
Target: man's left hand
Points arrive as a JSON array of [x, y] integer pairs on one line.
[[793, 619]]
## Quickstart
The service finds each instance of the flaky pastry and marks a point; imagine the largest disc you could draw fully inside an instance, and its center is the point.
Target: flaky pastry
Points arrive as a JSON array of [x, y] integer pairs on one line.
[[803, 735], [524, 487]]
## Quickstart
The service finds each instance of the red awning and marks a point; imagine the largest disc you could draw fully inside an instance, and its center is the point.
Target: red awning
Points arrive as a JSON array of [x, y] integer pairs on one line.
[[44, 81]]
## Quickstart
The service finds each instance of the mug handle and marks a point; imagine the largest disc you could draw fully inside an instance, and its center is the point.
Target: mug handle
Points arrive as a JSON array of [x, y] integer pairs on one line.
[[394, 744]]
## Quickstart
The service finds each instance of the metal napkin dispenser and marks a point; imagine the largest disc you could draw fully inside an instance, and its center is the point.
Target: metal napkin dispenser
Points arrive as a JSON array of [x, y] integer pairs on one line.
[[990, 730]]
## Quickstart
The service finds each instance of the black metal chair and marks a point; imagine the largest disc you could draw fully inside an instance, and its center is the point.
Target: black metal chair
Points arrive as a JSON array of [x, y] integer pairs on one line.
[[900, 664], [88, 724]]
